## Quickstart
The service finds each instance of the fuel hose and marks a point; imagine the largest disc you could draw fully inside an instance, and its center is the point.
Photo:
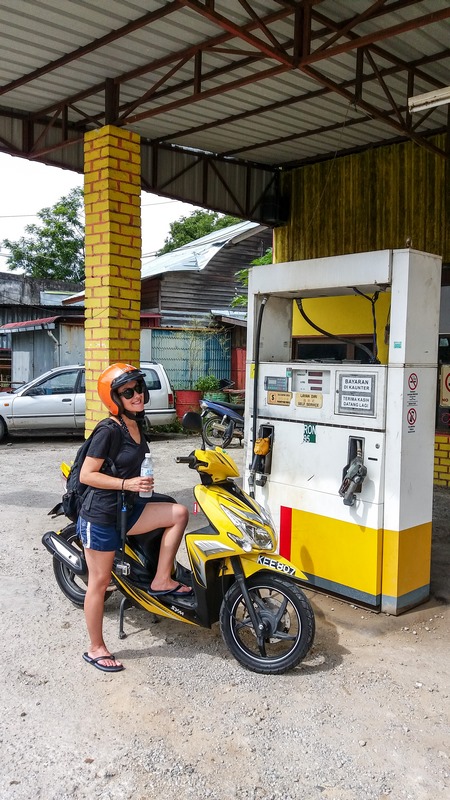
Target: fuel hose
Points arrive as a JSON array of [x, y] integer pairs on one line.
[[255, 392]]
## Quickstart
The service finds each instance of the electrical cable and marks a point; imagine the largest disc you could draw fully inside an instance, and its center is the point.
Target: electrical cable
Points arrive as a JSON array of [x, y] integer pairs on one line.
[[371, 300], [372, 358]]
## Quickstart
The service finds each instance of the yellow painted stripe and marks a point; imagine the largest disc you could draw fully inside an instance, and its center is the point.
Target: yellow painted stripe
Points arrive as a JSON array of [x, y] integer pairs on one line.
[[406, 559], [151, 605], [339, 552]]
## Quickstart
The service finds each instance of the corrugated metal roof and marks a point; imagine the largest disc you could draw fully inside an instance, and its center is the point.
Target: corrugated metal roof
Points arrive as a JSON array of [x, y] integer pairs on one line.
[[242, 84], [193, 256], [196, 255], [45, 323], [49, 323], [52, 298]]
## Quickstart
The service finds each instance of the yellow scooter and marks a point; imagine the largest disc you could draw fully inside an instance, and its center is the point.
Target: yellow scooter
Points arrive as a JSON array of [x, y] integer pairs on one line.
[[236, 575]]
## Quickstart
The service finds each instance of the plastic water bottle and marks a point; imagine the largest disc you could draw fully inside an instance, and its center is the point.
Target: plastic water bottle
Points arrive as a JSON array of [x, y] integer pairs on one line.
[[147, 472]]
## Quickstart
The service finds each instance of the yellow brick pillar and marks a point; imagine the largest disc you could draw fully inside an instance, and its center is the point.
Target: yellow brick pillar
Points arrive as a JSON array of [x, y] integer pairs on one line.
[[442, 459], [112, 197]]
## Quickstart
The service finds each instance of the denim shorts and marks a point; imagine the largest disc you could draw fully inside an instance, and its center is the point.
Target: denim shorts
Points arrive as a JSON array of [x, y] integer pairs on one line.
[[105, 537]]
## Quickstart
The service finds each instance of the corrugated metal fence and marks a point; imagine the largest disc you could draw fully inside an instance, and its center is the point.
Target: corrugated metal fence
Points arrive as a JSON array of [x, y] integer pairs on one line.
[[188, 355]]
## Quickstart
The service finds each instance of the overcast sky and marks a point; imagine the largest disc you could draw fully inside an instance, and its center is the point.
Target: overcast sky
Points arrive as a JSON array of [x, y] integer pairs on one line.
[[26, 187]]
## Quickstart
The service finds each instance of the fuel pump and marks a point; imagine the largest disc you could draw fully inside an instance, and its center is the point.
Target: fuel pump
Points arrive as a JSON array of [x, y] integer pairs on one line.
[[342, 452]]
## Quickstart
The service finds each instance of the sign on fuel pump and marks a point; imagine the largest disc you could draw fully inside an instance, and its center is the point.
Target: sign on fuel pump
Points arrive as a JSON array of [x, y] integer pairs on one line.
[[349, 476], [445, 385]]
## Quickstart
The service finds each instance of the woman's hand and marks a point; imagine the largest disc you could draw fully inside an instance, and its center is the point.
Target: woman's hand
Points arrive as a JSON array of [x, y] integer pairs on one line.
[[90, 475], [138, 484]]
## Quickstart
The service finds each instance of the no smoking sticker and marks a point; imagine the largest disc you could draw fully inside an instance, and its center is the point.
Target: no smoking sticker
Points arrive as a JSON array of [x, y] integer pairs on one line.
[[413, 380]]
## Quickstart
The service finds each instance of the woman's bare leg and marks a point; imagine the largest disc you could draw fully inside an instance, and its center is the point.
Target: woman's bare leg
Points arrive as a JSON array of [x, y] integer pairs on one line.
[[99, 565], [173, 517]]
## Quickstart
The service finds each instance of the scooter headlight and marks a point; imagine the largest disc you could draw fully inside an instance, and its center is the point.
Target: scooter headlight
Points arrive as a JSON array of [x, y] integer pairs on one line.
[[265, 516], [254, 534]]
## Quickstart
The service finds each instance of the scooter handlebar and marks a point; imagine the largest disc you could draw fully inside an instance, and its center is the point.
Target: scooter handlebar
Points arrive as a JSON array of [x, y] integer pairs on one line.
[[191, 460]]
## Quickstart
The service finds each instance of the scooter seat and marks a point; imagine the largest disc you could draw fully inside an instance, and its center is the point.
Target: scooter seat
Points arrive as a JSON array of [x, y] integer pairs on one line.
[[238, 407]]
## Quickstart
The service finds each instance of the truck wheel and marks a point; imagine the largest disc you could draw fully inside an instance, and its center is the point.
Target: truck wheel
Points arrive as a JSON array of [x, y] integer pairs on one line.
[[3, 429]]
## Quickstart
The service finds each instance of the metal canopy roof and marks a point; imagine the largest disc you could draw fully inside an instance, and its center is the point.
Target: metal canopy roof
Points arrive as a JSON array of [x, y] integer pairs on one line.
[[224, 93]]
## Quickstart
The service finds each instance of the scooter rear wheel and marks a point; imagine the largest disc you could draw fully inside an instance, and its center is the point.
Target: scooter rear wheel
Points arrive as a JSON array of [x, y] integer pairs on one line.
[[72, 586], [288, 621], [214, 436]]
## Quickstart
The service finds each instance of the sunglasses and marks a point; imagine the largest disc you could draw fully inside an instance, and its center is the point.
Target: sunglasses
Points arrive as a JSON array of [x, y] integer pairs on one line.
[[128, 393]]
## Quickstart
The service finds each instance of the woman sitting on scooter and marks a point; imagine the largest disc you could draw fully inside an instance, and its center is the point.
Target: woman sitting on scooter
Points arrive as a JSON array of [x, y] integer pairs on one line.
[[122, 389]]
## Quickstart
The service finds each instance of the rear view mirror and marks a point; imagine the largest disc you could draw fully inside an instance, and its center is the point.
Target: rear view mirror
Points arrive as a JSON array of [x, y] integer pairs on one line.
[[192, 421]]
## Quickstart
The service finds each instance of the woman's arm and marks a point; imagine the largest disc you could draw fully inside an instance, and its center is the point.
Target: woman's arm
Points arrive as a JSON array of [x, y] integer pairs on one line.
[[90, 475]]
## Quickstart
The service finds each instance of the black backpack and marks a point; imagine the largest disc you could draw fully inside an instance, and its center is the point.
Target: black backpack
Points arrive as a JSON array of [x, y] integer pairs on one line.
[[72, 500]]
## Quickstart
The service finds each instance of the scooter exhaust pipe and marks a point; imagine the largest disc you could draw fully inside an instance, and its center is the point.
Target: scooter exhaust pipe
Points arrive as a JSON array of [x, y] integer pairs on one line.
[[64, 552], [220, 426]]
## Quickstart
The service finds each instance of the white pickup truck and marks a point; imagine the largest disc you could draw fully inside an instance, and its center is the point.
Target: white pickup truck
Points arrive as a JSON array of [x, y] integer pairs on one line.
[[56, 401]]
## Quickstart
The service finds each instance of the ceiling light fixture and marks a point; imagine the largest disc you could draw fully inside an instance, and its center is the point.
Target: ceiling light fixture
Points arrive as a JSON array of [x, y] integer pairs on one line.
[[422, 102]]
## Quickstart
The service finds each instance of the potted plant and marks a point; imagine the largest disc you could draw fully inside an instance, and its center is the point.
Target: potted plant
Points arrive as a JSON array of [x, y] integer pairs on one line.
[[209, 386]]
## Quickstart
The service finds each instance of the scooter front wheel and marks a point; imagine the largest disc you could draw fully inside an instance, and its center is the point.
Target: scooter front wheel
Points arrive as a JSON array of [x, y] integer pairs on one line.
[[287, 621], [213, 432]]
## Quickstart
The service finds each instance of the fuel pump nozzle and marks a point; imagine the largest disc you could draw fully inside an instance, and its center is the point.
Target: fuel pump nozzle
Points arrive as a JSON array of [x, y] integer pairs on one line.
[[354, 474], [262, 458]]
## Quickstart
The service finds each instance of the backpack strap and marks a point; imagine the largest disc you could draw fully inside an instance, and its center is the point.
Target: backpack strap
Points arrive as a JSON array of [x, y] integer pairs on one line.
[[116, 442], [109, 460]]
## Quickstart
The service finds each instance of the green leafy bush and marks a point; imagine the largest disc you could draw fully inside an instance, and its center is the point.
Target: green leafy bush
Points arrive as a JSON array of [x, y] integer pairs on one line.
[[209, 383]]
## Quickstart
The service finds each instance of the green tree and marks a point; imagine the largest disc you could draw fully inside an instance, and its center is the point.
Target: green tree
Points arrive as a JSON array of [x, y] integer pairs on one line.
[[197, 224], [53, 248], [242, 276]]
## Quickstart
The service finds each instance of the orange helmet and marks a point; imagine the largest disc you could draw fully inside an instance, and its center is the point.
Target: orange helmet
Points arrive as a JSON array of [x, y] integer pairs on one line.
[[111, 379]]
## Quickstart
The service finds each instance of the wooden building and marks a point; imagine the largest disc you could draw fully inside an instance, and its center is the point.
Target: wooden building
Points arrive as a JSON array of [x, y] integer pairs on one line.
[[187, 284]]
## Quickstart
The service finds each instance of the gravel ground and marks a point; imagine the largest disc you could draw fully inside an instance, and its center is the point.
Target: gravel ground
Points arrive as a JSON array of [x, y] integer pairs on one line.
[[363, 718]]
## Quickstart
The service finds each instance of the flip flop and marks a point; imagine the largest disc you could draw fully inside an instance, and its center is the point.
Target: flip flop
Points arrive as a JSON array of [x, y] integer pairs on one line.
[[175, 592], [103, 667]]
